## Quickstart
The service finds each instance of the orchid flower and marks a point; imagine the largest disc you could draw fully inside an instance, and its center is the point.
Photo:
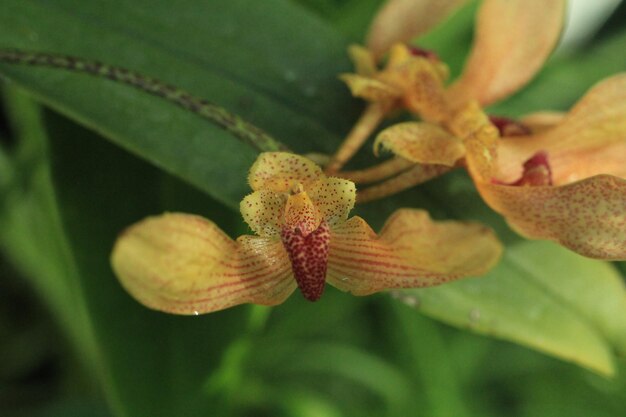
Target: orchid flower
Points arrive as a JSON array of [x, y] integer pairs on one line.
[[184, 264], [513, 39]]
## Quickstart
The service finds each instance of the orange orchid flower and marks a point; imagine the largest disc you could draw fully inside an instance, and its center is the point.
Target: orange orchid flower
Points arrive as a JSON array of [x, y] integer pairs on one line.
[[512, 41], [567, 183], [184, 264]]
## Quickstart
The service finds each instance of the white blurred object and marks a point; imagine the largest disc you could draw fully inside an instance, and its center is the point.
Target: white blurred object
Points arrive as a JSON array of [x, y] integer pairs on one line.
[[584, 18]]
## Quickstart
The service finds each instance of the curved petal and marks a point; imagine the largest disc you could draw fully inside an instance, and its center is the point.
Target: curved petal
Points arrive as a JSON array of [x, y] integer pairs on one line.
[[422, 143], [184, 264], [412, 250], [334, 198], [588, 217], [281, 171], [363, 60], [403, 20], [589, 140], [264, 212], [513, 39], [481, 139], [370, 89]]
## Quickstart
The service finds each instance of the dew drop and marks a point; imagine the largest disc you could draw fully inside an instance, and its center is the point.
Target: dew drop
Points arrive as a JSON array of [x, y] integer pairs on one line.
[[196, 313], [474, 315]]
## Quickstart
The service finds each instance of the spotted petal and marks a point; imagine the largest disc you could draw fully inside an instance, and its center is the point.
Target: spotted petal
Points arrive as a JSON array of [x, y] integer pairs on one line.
[[184, 264], [403, 20], [334, 198], [264, 212], [281, 171], [588, 216], [589, 140], [513, 39], [412, 250], [422, 143]]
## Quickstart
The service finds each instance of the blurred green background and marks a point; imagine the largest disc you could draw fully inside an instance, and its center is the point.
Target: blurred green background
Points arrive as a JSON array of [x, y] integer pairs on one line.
[[81, 158]]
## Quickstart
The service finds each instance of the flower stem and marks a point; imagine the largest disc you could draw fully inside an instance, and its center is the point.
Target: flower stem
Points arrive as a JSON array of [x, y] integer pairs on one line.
[[378, 172], [414, 176], [243, 130], [370, 119]]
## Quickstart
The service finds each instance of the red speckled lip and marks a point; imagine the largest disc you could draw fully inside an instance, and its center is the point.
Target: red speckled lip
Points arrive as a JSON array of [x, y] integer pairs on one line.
[[309, 258]]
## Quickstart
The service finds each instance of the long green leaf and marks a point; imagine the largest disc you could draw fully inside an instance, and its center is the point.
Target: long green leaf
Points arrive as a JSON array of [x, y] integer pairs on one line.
[[541, 296]]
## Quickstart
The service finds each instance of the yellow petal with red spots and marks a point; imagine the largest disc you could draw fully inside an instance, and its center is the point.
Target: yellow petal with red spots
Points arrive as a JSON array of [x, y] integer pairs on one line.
[[371, 89], [264, 212], [404, 20], [512, 41], [334, 198], [184, 264], [588, 217], [423, 143], [589, 140], [301, 214], [411, 251], [282, 171], [363, 60]]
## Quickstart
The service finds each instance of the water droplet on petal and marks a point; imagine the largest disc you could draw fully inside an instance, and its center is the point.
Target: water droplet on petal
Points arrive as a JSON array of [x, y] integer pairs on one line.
[[196, 313]]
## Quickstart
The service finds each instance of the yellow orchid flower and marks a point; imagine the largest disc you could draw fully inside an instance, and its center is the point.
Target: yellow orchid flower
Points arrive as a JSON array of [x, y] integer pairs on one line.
[[184, 264], [566, 183], [512, 41]]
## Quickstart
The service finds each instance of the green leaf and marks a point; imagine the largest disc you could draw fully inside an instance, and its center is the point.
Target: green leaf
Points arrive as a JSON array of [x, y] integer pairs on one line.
[[155, 364], [541, 296], [254, 63]]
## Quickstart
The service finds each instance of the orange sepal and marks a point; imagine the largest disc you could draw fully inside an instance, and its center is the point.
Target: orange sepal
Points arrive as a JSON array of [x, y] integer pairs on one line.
[[588, 216], [411, 251], [184, 264], [513, 39]]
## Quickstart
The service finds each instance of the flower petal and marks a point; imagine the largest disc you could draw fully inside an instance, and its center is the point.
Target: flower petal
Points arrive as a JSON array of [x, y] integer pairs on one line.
[[281, 171], [412, 250], [481, 139], [184, 264], [363, 60], [264, 212], [589, 140], [513, 39], [403, 20], [334, 198], [588, 217], [370, 89], [423, 143]]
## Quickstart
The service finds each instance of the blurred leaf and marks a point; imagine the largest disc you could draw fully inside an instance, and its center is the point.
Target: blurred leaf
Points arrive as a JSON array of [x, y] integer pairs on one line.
[[155, 363], [277, 70], [541, 296], [338, 360], [31, 231]]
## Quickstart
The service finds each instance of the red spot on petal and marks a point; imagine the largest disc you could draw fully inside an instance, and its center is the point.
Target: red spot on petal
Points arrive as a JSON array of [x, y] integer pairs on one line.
[[536, 172], [509, 127], [425, 53], [309, 258]]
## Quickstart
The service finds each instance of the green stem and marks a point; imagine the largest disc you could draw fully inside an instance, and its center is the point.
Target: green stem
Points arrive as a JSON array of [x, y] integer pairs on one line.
[[243, 130]]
